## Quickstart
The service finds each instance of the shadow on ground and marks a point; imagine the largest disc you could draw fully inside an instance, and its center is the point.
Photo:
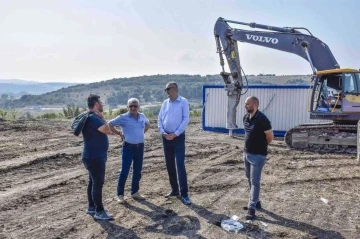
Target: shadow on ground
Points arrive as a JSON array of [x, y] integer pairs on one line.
[[168, 222], [314, 231]]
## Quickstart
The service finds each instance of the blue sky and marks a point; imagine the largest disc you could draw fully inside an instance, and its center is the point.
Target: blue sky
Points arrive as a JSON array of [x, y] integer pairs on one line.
[[95, 40]]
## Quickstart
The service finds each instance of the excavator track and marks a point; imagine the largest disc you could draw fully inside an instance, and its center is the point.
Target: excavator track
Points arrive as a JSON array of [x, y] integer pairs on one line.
[[323, 137]]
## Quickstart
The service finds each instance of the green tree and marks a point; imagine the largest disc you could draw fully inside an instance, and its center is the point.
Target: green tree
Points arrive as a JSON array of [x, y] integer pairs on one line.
[[29, 116], [4, 96], [121, 111], [71, 111], [48, 116], [147, 96], [3, 114], [77, 111], [13, 114]]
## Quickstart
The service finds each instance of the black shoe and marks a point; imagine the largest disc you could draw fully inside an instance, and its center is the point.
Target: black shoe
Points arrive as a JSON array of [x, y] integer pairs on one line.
[[103, 215], [90, 210], [258, 206], [172, 194], [186, 200], [250, 215]]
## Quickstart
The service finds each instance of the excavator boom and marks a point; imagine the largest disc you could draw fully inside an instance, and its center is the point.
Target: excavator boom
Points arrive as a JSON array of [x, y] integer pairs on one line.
[[312, 49]]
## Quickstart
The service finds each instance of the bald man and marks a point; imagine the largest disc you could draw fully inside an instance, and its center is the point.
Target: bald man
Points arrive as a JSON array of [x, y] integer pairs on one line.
[[258, 134]]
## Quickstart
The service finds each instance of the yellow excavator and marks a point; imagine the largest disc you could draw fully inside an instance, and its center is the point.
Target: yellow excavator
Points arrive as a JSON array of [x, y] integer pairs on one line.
[[334, 91]]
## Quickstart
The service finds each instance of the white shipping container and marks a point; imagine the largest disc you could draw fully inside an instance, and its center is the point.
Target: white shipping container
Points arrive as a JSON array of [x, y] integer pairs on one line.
[[285, 106]]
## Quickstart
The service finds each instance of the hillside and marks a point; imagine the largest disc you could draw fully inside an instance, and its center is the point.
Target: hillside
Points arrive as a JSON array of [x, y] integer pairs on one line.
[[147, 88], [17, 88]]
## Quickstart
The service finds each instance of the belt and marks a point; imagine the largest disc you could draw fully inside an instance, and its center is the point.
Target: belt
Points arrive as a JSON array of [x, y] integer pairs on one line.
[[133, 145], [174, 132]]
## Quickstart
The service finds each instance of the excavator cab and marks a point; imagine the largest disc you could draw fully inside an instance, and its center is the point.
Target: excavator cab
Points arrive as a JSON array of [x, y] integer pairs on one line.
[[336, 95]]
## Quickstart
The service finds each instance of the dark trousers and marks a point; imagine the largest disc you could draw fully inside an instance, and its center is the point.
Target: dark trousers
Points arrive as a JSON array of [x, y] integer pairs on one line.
[[96, 169], [174, 151], [131, 154]]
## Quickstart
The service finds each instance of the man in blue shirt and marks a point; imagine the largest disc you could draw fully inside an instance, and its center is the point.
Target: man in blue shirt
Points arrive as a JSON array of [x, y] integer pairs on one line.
[[133, 126], [172, 122], [94, 156]]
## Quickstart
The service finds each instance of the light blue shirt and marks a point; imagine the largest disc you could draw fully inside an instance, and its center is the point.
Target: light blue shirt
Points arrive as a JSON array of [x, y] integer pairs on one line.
[[132, 128], [174, 116]]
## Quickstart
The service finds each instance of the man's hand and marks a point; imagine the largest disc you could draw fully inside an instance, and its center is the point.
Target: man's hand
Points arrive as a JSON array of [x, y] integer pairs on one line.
[[269, 135], [99, 114], [169, 136], [172, 136], [115, 131], [146, 128], [121, 136], [165, 135]]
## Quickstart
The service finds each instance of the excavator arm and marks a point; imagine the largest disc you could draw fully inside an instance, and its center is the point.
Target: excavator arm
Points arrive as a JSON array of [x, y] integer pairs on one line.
[[312, 49]]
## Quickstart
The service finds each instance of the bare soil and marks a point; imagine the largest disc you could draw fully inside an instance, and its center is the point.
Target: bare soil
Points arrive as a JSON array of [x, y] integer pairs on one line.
[[43, 189]]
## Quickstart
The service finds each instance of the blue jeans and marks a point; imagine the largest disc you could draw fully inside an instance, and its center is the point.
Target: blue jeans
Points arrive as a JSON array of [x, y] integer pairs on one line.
[[96, 169], [176, 149], [131, 153], [254, 164]]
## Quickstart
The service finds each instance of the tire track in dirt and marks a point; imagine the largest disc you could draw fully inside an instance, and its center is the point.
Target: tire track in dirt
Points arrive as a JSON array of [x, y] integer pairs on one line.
[[16, 163], [62, 185]]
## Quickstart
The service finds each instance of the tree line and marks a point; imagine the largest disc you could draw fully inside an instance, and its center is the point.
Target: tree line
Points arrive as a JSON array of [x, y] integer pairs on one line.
[[117, 91]]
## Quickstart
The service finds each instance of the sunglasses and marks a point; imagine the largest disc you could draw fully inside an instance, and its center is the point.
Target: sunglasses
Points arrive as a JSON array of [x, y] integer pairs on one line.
[[133, 106], [167, 89]]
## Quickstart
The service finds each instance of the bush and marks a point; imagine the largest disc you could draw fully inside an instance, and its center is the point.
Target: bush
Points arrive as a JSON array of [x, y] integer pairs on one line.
[[8, 115], [3, 114], [29, 116], [195, 113], [48, 116], [153, 110], [71, 111], [13, 114], [120, 111], [148, 114]]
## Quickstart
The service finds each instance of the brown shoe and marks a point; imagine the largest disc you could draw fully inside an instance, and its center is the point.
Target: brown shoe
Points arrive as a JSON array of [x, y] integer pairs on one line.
[[250, 215]]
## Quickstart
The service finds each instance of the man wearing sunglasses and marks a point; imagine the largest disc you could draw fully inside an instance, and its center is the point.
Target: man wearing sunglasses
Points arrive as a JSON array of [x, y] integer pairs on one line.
[[172, 122], [133, 126]]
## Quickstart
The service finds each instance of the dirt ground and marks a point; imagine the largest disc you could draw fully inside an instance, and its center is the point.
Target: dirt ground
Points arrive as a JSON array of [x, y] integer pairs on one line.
[[43, 189]]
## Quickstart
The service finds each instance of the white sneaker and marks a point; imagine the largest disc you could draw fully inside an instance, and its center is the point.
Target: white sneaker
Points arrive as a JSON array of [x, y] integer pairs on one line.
[[121, 199], [138, 196]]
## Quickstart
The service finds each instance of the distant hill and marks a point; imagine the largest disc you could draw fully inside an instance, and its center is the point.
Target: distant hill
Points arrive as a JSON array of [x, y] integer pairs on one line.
[[19, 82], [148, 89], [18, 88]]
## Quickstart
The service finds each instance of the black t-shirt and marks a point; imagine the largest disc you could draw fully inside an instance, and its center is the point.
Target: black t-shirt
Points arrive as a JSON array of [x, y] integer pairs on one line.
[[255, 138]]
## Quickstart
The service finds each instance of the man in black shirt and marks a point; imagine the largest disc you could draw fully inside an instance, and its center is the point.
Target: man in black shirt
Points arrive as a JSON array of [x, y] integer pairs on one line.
[[258, 134], [94, 156]]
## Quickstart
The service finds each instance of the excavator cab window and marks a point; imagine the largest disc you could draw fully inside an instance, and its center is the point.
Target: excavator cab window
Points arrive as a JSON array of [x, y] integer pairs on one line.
[[350, 98], [351, 83], [327, 98], [322, 102]]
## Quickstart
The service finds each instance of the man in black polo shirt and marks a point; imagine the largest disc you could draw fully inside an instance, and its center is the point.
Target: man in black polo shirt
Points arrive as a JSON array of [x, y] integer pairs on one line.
[[258, 134]]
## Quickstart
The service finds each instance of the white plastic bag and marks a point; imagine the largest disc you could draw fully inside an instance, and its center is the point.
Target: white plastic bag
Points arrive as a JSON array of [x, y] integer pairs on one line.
[[231, 225]]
